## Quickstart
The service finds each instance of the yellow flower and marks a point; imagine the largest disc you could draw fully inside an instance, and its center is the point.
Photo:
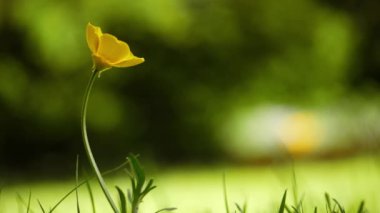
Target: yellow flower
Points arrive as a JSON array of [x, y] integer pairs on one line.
[[108, 51]]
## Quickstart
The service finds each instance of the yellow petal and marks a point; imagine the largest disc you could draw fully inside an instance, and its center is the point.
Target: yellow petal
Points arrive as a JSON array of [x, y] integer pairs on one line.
[[93, 34], [112, 50], [130, 62]]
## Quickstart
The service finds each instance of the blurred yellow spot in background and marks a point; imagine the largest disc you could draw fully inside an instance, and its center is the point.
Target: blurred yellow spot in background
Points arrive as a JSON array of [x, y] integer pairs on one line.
[[300, 132]]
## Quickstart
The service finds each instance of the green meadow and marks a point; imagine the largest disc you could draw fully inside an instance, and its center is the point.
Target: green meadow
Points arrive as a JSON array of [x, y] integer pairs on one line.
[[200, 188]]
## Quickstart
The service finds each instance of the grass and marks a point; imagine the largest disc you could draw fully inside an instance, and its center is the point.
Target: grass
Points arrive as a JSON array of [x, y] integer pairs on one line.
[[200, 189]]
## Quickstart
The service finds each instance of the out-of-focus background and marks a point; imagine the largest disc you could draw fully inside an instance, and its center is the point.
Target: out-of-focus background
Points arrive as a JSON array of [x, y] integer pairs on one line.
[[224, 81]]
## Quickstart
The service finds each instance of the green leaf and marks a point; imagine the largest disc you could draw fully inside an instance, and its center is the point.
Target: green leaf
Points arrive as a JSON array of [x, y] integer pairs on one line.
[[149, 187], [282, 206], [138, 172], [136, 168], [130, 197], [123, 200], [134, 189]]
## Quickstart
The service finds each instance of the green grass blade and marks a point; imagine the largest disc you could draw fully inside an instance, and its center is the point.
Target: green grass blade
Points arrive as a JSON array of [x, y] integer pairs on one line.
[[41, 207], [20, 201], [300, 204], [76, 183], [65, 196], [24, 203], [166, 209], [283, 201], [1, 190], [288, 210], [294, 184], [88, 186], [315, 210], [117, 168], [240, 209], [29, 199], [245, 207], [361, 207], [85, 181], [341, 209], [328, 203], [123, 200], [225, 194]]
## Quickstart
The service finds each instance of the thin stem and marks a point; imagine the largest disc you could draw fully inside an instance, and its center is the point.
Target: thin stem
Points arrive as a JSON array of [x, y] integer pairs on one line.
[[87, 144]]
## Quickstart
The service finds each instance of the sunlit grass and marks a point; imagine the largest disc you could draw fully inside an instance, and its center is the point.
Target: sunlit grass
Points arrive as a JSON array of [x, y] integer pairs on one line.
[[195, 189]]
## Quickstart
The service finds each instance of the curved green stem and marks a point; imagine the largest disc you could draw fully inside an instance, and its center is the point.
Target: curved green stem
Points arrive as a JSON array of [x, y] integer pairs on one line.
[[87, 144]]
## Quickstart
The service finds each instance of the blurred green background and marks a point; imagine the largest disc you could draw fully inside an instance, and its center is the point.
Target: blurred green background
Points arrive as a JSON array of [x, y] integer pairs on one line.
[[223, 81]]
